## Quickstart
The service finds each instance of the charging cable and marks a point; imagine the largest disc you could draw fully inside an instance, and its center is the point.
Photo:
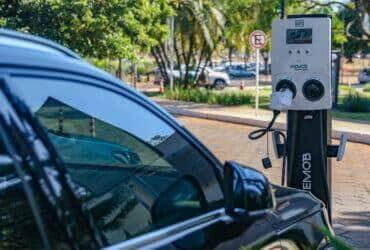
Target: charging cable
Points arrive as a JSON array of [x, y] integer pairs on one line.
[[256, 134]]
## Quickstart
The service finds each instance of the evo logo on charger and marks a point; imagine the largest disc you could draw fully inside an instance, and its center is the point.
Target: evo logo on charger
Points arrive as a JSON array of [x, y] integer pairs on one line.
[[299, 67]]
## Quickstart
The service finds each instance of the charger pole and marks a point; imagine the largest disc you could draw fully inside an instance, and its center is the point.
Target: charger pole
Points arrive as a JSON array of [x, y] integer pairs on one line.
[[282, 9], [308, 140]]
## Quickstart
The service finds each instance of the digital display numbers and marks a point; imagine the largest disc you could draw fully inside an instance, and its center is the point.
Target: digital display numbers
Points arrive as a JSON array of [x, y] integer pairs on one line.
[[299, 36]]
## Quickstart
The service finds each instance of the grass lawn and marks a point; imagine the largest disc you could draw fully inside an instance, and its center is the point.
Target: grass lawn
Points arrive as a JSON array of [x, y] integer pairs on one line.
[[360, 116], [247, 97]]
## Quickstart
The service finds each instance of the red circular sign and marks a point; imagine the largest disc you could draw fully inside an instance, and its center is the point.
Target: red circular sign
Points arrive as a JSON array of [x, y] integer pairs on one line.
[[257, 39]]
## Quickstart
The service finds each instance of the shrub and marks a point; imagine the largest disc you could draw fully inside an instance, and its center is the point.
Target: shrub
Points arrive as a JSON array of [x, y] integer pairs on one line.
[[355, 102], [210, 97], [366, 88]]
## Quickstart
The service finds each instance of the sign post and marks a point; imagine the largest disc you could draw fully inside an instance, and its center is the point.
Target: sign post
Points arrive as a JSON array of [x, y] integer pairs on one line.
[[257, 79], [257, 40]]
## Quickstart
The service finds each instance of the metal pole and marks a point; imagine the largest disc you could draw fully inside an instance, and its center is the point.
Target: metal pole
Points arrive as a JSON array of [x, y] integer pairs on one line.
[[134, 69], [257, 79], [282, 9], [342, 50]]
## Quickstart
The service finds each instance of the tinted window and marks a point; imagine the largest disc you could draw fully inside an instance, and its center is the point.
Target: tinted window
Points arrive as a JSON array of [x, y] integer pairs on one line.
[[124, 158], [18, 229]]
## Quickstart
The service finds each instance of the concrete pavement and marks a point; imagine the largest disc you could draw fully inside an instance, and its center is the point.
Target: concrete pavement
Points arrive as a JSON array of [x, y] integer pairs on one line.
[[357, 132]]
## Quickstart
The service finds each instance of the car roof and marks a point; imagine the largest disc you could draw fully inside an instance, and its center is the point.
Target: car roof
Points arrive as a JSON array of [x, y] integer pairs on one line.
[[28, 51]]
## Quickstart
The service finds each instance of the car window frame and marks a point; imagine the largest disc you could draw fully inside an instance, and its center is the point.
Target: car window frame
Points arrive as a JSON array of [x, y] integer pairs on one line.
[[145, 104], [26, 134]]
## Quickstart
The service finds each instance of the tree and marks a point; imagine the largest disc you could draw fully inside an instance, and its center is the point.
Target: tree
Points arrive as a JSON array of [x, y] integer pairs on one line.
[[352, 46], [98, 29], [237, 15], [198, 30], [360, 9]]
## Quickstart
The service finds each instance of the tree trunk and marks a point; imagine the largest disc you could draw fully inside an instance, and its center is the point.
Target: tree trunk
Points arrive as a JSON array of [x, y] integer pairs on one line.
[[178, 57], [134, 70], [245, 58], [165, 57], [208, 58], [161, 66], [201, 55], [230, 55], [266, 60], [350, 59], [188, 58], [165, 63], [119, 70]]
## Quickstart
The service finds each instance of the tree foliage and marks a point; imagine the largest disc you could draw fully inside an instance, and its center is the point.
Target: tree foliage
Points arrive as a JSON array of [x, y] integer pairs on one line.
[[198, 29], [117, 29], [100, 29]]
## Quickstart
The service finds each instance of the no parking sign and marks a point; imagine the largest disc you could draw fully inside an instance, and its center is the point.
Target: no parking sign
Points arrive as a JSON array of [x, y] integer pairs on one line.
[[257, 39]]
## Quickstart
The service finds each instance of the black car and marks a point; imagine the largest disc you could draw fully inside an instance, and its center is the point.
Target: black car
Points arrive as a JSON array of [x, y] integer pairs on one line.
[[87, 162]]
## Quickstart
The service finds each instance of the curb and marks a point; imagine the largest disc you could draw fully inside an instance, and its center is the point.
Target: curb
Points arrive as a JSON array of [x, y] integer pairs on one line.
[[336, 134]]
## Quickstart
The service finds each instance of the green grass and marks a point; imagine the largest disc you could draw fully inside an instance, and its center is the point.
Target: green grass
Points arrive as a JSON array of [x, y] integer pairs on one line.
[[351, 104], [227, 98], [366, 88], [355, 102], [344, 90], [358, 116]]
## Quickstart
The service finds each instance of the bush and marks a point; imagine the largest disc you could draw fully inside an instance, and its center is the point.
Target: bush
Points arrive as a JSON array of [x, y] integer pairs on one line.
[[209, 96], [355, 102], [367, 88]]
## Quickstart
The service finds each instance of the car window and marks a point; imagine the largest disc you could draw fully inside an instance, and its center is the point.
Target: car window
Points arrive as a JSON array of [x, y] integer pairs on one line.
[[18, 229], [123, 158]]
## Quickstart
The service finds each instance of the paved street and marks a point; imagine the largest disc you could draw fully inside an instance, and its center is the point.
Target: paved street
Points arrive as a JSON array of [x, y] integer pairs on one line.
[[351, 177], [356, 131]]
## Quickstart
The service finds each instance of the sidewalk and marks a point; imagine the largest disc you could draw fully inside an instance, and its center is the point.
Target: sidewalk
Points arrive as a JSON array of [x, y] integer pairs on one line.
[[357, 132]]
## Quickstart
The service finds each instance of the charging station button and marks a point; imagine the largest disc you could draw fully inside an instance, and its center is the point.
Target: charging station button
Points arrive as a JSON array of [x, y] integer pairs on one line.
[[313, 90]]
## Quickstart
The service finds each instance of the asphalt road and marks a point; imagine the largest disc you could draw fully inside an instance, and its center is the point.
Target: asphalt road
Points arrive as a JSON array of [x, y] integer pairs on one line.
[[351, 177]]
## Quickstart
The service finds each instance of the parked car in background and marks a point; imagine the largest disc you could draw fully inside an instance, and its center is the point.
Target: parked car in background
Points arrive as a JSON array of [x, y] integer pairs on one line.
[[364, 76], [209, 78], [86, 162], [252, 66], [214, 79], [239, 72]]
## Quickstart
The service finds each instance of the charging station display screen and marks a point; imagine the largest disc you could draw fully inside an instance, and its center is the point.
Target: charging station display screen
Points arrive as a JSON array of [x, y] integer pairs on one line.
[[299, 36]]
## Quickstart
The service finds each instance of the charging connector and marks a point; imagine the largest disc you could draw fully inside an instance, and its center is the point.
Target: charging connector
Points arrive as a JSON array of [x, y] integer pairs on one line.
[[281, 99]]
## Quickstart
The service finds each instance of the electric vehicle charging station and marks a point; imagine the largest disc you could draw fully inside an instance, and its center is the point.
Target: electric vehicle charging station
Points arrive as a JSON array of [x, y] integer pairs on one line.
[[301, 85], [301, 82], [301, 64]]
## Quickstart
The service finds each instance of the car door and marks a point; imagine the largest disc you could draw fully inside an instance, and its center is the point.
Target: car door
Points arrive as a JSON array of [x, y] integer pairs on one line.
[[145, 181], [122, 157]]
